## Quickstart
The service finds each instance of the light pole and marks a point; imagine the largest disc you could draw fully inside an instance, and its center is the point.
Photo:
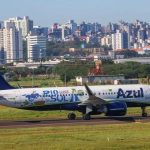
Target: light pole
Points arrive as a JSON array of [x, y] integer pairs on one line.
[[65, 79], [33, 75], [54, 71]]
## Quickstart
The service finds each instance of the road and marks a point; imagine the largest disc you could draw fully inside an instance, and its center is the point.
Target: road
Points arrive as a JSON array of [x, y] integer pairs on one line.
[[65, 122]]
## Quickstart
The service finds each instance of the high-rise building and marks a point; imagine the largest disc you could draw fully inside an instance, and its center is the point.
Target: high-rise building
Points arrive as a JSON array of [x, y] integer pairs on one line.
[[36, 47], [120, 40], [142, 36], [66, 32], [106, 41], [55, 33], [25, 24], [11, 49], [1, 47], [72, 26], [37, 30], [83, 28], [1, 24]]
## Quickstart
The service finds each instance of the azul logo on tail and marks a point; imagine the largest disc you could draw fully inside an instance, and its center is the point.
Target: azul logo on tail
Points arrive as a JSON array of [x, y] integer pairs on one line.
[[130, 93]]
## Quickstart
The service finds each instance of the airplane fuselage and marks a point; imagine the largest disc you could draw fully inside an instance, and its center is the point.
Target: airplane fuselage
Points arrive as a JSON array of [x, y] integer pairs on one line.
[[69, 97]]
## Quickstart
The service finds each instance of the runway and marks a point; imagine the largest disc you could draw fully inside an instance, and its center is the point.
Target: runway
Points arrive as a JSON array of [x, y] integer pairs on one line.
[[65, 122]]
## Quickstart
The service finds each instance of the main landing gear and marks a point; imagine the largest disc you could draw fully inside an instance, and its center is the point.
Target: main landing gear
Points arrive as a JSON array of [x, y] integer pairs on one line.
[[86, 116], [144, 113], [71, 116]]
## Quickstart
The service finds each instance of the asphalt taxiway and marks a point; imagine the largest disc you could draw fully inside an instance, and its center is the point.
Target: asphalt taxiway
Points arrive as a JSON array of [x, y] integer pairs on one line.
[[65, 122]]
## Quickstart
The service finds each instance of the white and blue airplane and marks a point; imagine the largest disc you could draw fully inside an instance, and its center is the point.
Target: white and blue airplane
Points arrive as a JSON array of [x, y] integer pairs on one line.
[[111, 100]]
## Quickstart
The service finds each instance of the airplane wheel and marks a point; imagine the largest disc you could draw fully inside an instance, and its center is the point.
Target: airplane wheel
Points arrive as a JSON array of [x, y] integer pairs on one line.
[[86, 117], [144, 115], [71, 116]]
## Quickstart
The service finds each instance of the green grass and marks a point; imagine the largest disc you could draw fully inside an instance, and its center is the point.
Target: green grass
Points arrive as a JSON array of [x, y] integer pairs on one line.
[[37, 82], [124, 136], [109, 137], [7, 113], [41, 82]]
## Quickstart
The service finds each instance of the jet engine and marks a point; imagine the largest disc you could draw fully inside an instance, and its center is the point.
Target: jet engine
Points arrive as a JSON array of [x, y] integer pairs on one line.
[[116, 109]]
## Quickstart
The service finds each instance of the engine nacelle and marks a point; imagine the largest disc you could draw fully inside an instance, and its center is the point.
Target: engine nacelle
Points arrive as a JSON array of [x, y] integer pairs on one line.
[[116, 109]]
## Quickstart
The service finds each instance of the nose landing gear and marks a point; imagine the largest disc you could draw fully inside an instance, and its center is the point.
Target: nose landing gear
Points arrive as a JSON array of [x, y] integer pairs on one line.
[[144, 113]]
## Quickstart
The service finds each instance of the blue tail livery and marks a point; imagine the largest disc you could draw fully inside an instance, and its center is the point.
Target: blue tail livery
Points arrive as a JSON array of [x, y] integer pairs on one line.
[[4, 84]]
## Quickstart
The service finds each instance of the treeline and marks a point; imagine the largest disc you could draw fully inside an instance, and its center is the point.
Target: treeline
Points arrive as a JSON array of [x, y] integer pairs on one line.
[[69, 70], [129, 69]]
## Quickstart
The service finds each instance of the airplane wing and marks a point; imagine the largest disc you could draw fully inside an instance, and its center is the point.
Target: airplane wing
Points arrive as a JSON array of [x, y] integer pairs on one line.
[[92, 100]]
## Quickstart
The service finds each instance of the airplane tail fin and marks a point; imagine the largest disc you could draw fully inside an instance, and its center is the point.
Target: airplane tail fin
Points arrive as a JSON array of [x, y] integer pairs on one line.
[[4, 85]]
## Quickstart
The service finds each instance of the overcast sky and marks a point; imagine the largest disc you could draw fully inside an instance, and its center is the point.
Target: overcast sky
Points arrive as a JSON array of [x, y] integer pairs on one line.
[[46, 12]]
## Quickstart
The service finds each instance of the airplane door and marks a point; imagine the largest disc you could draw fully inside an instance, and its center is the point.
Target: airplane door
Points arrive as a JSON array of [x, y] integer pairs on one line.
[[147, 92]]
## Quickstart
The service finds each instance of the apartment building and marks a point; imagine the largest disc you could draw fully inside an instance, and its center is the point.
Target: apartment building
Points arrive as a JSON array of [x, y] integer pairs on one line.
[[24, 24], [120, 40], [36, 47], [11, 49]]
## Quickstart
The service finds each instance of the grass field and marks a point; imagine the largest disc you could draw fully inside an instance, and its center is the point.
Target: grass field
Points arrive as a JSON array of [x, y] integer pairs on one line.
[[7, 113], [41, 82], [126, 136], [109, 137]]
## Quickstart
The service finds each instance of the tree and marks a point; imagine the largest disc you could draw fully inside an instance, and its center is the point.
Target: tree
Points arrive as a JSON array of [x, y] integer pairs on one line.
[[2, 70], [21, 72], [129, 69], [69, 70], [127, 53]]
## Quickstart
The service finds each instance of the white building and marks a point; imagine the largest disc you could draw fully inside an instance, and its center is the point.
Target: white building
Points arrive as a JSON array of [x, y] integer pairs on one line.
[[36, 46], [142, 60], [100, 79], [25, 24], [120, 40], [11, 47], [106, 41]]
